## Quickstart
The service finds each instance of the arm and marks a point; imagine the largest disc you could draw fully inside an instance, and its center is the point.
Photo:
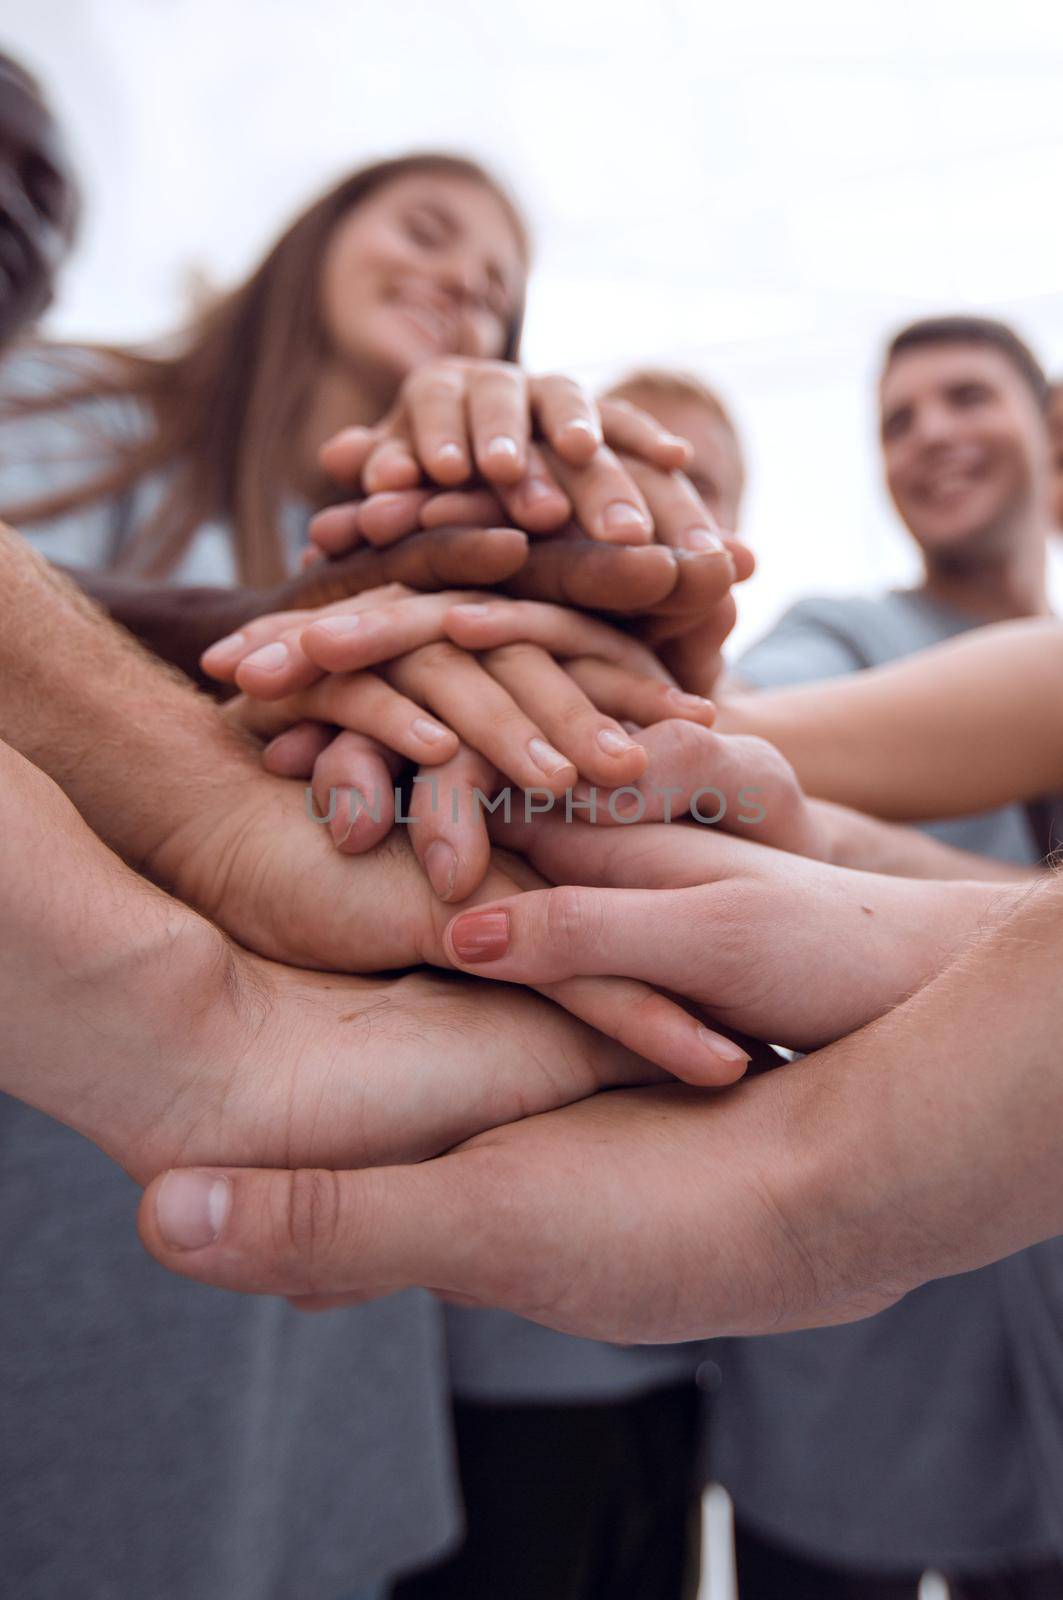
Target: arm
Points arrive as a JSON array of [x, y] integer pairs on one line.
[[131, 1019], [924, 1145], [971, 724], [179, 623], [156, 771]]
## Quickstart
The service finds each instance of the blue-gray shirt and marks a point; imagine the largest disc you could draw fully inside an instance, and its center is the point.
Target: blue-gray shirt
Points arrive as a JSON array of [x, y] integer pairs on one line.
[[161, 1439], [910, 1439]]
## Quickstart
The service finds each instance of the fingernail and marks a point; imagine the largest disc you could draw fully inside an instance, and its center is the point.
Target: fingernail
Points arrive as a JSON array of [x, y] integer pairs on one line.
[[270, 658], [613, 743], [441, 865], [191, 1208], [534, 490], [472, 609], [430, 732], [701, 539], [690, 702], [620, 514], [726, 1049], [340, 626], [450, 452], [230, 645], [502, 445], [581, 425], [546, 758], [480, 935]]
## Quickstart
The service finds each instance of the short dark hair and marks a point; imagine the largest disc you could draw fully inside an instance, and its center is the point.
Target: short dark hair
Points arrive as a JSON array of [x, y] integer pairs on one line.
[[974, 330]]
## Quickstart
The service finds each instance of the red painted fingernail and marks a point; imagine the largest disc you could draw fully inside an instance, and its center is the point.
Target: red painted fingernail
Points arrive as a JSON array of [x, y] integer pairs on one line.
[[480, 935]]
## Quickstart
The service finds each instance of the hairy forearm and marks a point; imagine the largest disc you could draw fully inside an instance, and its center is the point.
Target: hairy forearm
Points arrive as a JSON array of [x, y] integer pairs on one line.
[[967, 726], [855, 840], [174, 622], [136, 748], [929, 1142], [98, 969]]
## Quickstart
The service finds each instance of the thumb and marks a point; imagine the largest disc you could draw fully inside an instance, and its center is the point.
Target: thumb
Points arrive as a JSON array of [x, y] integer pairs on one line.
[[309, 1232], [571, 931]]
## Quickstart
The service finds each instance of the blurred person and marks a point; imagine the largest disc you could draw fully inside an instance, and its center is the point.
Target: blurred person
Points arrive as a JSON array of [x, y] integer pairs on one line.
[[38, 200], [1055, 424], [396, 297], [857, 1457], [687, 406], [579, 1461]]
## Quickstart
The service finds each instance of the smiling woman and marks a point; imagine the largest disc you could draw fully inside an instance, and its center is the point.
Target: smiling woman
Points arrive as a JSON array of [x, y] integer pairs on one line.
[[197, 458]]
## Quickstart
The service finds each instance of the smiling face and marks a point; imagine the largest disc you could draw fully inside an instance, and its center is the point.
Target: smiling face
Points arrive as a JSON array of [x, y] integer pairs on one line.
[[428, 265], [37, 203], [965, 449]]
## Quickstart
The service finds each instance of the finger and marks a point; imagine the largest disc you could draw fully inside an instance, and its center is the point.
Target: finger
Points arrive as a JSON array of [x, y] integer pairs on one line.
[[485, 623], [364, 703], [448, 828], [598, 747], [595, 576], [567, 417], [655, 1027], [647, 855], [704, 581], [607, 502], [454, 507], [309, 1232], [221, 659], [483, 714], [392, 464], [546, 935], [337, 529], [538, 502], [277, 669], [344, 456], [392, 515], [346, 641], [353, 791], [292, 753], [634, 697], [435, 409], [310, 558], [444, 558], [627, 427], [498, 413], [680, 519]]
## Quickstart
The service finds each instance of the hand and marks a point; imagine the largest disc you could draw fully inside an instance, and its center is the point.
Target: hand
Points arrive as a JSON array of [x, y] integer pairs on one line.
[[788, 950], [538, 720], [136, 1022], [259, 868], [458, 412], [638, 1216]]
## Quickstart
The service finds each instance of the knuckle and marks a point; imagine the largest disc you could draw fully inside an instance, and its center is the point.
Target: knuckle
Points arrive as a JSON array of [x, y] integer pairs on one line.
[[573, 917], [310, 1221]]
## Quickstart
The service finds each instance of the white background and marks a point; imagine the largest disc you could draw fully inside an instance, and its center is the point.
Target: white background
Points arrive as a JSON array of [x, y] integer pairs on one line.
[[760, 191]]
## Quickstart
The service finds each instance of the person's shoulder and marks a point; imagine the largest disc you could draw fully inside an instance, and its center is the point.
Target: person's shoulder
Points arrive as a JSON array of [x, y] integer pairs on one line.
[[43, 378]]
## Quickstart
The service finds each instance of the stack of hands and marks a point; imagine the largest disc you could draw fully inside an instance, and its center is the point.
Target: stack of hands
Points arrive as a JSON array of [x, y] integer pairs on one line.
[[557, 773]]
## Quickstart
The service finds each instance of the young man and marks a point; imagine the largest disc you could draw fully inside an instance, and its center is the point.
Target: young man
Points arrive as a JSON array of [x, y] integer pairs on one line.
[[857, 1456]]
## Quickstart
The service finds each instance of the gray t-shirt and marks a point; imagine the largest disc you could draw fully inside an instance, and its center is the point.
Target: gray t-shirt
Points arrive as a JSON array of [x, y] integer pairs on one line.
[[907, 1440], [160, 1438]]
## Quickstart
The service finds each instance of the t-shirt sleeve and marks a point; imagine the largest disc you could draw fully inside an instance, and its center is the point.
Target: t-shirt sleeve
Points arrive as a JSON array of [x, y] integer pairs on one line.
[[808, 643], [49, 452]]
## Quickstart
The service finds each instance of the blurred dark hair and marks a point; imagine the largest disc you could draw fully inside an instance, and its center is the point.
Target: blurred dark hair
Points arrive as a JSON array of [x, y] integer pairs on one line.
[[985, 331]]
